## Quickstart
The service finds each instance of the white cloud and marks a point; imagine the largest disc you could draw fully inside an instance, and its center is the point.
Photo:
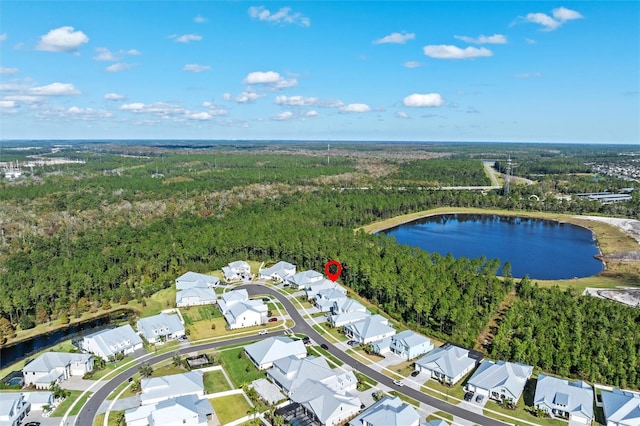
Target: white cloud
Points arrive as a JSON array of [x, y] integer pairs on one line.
[[3, 36], [307, 101], [104, 54], [423, 100], [528, 75], [200, 19], [226, 96], [247, 97], [24, 99], [196, 68], [282, 16], [213, 109], [559, 16], [133, 52], [355, 108], [311, 114], [443, 51], [396, 38], [271, 79], [135, 106], [54, 89], [89, 113], [411, 64], [7, 104], [120, 66], [186, 38], [402, 114], [483, 39], [286, 115], [114, 97], [202, 115], [530, 41], [63, 39], [8, 71]]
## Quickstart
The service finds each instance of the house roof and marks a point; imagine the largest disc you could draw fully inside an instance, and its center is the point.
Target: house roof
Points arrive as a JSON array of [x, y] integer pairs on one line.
[[115, 339], [505, 375], [52, 360], [201, 293], [238, 264], [39, 397], [159, 325], [324, 402], [383, 344], [178, 409], [242, 308], [573, 397], [370, 327], [330, 294], [174, 385], [449, 360], [282, 269], [411, 339], [195, 279], [229, 298], [305, 277], [291, 372], [348, 304], [621, 407], [389, 411], [10, 402], [317, 286], [274, 348], [349, 317]]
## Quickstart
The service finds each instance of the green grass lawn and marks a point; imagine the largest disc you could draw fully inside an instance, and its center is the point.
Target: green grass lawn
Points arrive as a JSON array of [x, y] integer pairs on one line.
[[439, 415], [114, 417], [330, 333], [318, 351], [239, 368], [215, 381], [110, 367], [157, 302], [455, 391], [230, 408], [64, 406], [166, 369], [405, 398]]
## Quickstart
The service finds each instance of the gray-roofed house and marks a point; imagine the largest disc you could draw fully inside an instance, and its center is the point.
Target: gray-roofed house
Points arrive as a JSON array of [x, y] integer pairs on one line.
[[621, 408], [346, 305], [195, 279], [572, 401], [500, 380], [182, 410], [196, 296], [389, 411], [370, 329], [327, 406], [230, 298], [236, 271], [313, 288], [448, 363], [325, 299], [409, 344], [39, 399], [302, 279], [13, 408], [239, 311], [280, 272], [107, 343], [340, 320], [162, 388], [160, 328], [265, 352], [56, 367]]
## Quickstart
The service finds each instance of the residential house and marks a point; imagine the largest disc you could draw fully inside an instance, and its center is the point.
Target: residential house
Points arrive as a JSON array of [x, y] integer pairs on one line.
[[370, 329], [107, 343], [194, 279], [14, 407], [56, 367], [382, 346], [313, 288], [621, 408], [195, 296], [236, 271], [230, 298], [325, 299], [239, 311], [179, 411], [409, 344], [572, 401], [448, 363], [280, 272], [325, 405], [39, 400], [162, 388], [389, 411], [265, 352], [160, 328], [500, 380], [340, 320], [302, 279], [291, 373]]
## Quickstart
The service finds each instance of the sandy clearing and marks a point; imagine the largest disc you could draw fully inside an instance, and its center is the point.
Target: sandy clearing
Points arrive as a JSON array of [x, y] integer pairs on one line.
[[630, 227]]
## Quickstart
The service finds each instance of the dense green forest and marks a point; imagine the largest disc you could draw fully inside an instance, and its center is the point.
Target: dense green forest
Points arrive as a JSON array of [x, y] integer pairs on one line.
[[108, 231], [442, 172]]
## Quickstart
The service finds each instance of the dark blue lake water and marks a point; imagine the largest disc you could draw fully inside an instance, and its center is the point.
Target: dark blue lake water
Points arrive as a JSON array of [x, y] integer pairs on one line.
[[541, 249]]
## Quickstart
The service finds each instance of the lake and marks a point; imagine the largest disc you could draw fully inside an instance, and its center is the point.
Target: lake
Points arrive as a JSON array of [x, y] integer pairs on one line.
[[541, 249]]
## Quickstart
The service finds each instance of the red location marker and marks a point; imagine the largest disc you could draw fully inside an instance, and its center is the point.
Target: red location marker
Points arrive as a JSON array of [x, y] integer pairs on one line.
[[337, 267]]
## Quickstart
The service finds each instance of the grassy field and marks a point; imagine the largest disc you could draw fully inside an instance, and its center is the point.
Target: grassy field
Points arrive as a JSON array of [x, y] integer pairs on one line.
[[330, 333], [157, 302], [318, 351], [110, 367], [361, 355], [404, 368], [238, 366], [455, 391], [215, 381], [114, 417], [439, 415], [230, 408], [64, 406]]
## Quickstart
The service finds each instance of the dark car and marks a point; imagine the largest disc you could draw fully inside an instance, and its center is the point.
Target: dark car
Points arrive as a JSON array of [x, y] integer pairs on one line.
[[325, 347], [32, 424], [274, 319], [468, 396], [306, 340], [266, 299], [479, 398], [415, 373]]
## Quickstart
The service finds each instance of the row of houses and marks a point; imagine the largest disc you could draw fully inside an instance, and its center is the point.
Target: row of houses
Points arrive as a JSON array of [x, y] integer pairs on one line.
[[15, 406]]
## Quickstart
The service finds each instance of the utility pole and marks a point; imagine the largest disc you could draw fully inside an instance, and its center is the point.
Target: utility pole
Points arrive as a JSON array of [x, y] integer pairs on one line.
[[508, 177], [328, 153]]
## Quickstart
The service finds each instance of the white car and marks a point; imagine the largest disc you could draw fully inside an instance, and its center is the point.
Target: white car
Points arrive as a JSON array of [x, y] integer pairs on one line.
[[398, 383], [261, 332]]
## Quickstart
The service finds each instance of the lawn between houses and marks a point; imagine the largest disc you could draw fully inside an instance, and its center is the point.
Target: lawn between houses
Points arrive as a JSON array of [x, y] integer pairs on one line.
[[239, 367], [230, 408]]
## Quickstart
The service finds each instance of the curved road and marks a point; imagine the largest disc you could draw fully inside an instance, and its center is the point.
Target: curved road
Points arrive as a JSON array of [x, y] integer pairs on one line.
[[89, 410]]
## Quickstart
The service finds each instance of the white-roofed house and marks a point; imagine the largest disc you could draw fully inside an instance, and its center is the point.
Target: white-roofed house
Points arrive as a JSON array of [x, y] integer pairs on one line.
[[56, 367], [196, 296], [39, 399], [572, 401], [106, 343], [162, 388], [178, 411], [265, 352], [409, 344], [370, 329], [327, 406], [448, 363], [236, 271], [621, 408], [239, 311], [500, 380], [160, 328], [230, 298], [195, 279], [13, 408], [280, 272], [313, 288], [302, 279], [325, 299], [346, 311], [389, 411]]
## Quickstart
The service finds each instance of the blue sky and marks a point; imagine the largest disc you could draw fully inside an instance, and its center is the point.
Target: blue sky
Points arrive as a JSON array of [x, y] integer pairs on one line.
[[417, 71]]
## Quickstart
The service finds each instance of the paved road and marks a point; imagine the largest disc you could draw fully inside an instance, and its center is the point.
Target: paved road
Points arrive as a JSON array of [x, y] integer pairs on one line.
[[86, 415]]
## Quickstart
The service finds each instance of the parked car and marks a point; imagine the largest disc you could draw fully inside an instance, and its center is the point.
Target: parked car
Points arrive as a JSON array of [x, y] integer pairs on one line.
[[414, 373], [32, 424], [352, 343], [325, 347], [468, 396], [398, 383], [266, 299], [479, 398], [274, 319], [261, 332], [306, 340]]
